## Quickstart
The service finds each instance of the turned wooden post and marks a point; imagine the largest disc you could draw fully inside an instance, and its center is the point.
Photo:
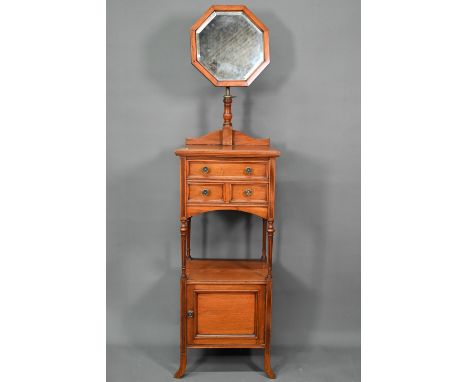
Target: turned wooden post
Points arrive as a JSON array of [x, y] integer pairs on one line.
[[264, 235], [271, 231], [267, 355], [189, 225], [183, 300], [227, 125], [183, 243]]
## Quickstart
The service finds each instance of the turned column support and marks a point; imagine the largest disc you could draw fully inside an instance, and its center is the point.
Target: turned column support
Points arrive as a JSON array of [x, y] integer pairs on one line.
[[270, 231], [183, 243], [227, 125], [267, 355], [189, 232], [264, 236]]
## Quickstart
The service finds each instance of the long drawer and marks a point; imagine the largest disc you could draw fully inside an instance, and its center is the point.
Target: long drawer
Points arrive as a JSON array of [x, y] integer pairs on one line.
[[227, 169]]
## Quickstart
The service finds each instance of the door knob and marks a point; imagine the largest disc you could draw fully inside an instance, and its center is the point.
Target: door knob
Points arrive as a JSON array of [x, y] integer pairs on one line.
[[190, 313]]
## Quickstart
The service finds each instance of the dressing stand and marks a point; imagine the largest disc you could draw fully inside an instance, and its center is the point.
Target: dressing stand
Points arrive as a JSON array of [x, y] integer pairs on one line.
[[227, 303]]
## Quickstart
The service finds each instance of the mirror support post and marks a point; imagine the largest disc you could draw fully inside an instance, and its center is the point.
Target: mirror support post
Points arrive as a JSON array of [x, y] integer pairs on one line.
[[227, 125]]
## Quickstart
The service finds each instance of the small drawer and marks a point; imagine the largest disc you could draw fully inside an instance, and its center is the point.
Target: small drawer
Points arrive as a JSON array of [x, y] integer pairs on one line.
[[211, 169], [253, 193], [205, 193]]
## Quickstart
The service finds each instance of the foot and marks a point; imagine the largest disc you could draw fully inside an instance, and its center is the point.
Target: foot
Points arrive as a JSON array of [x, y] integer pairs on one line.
[[183, 362], [267, 365], [180, 373], [270, 374]]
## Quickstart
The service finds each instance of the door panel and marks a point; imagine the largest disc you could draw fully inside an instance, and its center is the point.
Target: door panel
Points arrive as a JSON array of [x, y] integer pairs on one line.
[[226, 314]]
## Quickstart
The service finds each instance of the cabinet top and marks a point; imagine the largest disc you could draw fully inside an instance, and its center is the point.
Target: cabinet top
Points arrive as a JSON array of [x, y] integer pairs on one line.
[[227, 151]]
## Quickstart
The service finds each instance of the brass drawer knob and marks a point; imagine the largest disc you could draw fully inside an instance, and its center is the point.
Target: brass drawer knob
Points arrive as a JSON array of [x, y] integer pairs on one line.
[[205, 192], [248, 171], [248, 192], [205, 170], [190, 313]]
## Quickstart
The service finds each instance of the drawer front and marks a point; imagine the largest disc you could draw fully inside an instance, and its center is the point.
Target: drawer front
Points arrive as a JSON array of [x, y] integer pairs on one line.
[[208, 193], [249, 193], [242, 170], [226, 314]]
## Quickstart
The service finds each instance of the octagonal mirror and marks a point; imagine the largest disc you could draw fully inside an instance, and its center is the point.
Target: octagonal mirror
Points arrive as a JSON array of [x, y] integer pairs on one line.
[[229, 45]]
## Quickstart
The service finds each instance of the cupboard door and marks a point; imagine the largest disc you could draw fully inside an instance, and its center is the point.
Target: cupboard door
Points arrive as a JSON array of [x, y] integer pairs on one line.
[[226, 314]]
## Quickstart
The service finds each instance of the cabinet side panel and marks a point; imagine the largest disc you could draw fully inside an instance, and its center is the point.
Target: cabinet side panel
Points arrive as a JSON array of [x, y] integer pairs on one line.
[[272, 189], [182, 186]]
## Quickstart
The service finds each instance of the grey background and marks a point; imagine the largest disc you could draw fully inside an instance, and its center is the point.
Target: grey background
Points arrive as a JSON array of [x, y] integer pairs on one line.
[[308, 102]]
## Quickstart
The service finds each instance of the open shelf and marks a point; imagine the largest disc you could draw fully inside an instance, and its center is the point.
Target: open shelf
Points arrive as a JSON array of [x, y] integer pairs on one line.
[[219, 271]]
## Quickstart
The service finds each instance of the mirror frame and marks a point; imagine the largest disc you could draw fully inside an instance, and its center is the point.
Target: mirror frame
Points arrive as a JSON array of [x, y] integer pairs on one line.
[[255, 20]]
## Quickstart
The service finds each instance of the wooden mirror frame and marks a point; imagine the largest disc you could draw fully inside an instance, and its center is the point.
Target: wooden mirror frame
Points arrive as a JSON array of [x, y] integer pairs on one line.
[[254, 20]]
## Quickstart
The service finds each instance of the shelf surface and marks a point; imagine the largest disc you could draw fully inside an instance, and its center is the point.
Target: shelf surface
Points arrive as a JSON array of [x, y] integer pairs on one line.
[[226, 271]]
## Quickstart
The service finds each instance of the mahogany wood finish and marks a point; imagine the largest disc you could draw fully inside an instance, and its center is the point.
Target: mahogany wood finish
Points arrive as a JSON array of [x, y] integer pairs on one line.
[[216, 138], [218, 271], [227, 116], [226, 303], [225, 315], [242, 170]]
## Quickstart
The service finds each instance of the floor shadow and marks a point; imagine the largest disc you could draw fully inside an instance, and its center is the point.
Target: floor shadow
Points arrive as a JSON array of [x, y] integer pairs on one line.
[[222, 360], [300, 239]]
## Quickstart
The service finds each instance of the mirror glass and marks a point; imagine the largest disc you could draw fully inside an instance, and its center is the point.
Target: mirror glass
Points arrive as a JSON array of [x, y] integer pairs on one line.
[[229, 46]]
